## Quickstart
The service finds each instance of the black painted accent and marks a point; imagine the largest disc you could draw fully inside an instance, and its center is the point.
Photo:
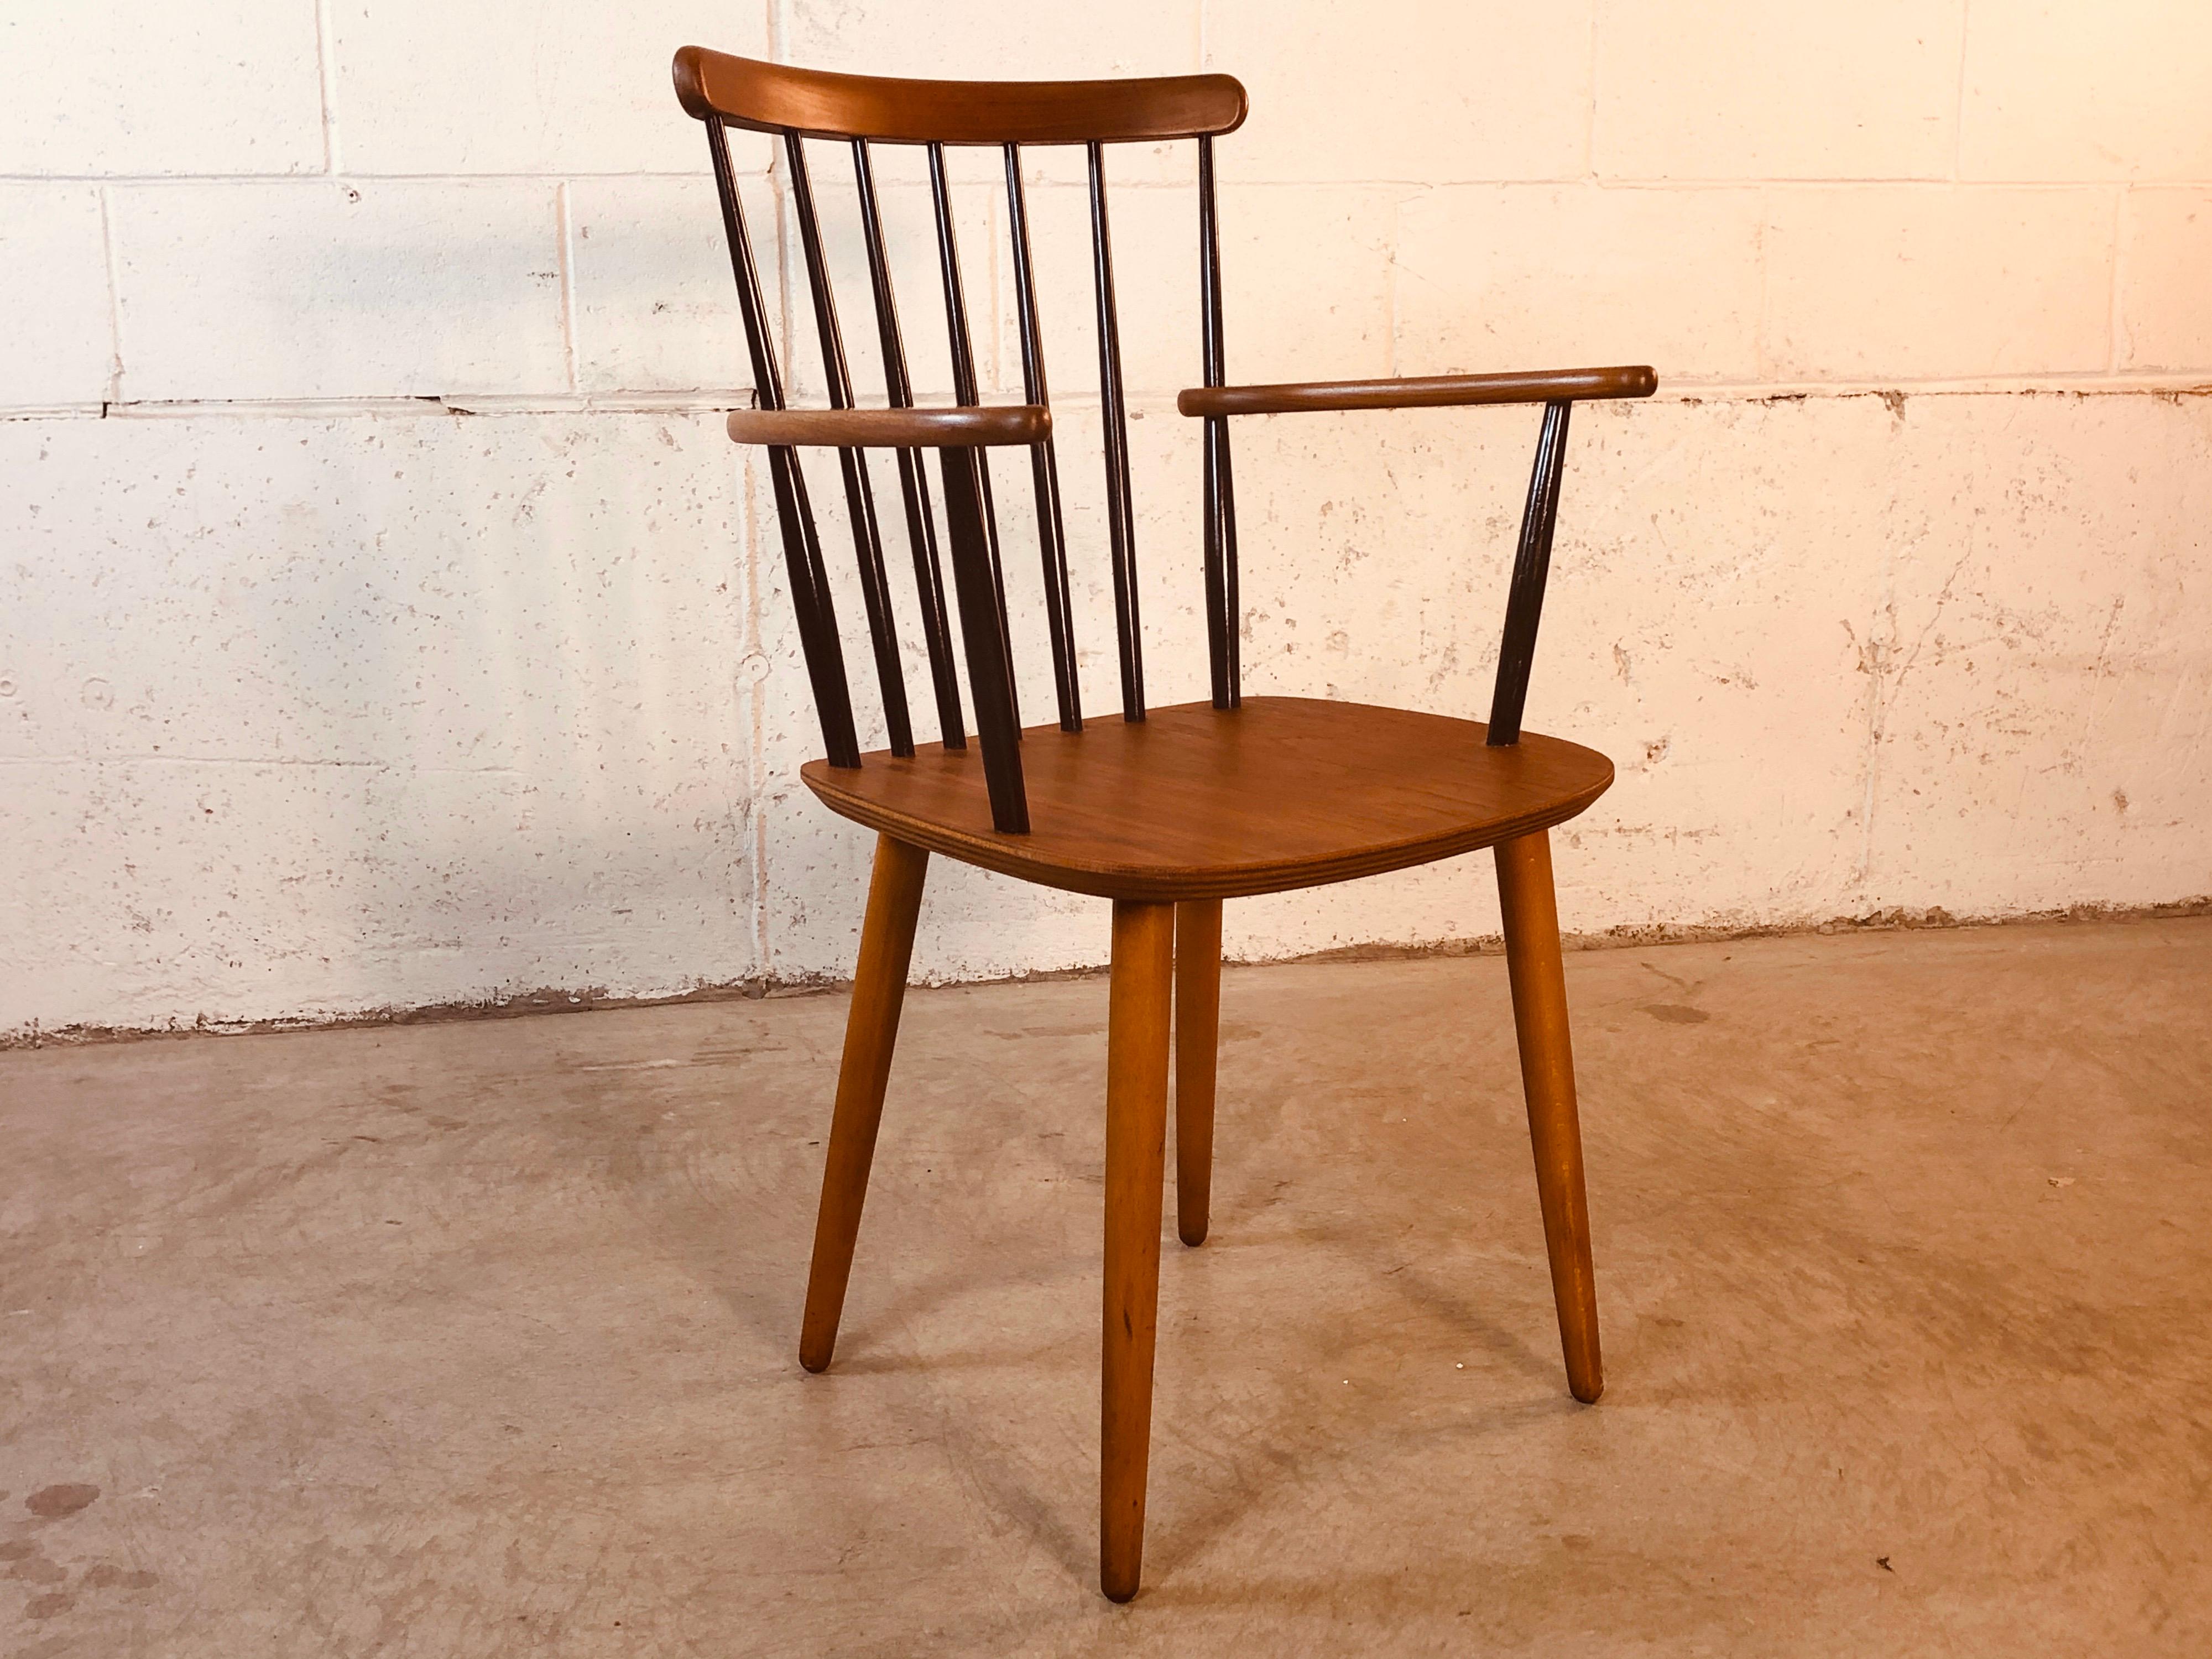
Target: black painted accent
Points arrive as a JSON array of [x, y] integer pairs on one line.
[[1044, 466], [964, 392], [802, 550], [983, 623], [1531, 562], [1222, 620], [1232, 607], [914, 477], [860, 496], [1120, 515]]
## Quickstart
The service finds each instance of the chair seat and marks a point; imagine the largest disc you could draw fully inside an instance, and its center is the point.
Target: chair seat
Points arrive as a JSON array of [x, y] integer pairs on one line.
[[1197, 803]]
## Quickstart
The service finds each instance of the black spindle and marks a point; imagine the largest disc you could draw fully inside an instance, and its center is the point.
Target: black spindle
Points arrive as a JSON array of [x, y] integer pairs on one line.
[[983, 627], [1531, 562], [860, 496], [1120, 515], [1232, 608], [1222, 619], [913, 479], [1044, 466], [964, 392], [802, 550]]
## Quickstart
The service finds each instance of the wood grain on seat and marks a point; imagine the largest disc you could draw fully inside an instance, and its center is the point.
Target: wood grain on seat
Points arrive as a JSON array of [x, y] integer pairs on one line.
[[1197, 802]]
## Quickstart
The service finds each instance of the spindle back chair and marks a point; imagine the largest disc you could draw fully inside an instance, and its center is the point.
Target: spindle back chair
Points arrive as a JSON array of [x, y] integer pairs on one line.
[[1166, 811]]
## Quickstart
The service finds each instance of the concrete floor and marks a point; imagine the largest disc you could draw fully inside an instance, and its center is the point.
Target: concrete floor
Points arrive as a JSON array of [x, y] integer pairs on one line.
[[478, 1339]]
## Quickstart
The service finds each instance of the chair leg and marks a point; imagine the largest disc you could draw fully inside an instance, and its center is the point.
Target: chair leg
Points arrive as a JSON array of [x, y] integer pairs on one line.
[[1547, 1076], [1197, 1034], [871, 1030], [1136, 1153]]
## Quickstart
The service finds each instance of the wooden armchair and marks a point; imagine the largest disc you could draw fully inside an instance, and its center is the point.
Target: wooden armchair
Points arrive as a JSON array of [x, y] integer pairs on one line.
[[1164, 812]]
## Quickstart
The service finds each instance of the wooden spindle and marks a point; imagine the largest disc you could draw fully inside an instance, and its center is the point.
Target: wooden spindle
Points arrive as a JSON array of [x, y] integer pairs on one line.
[[965, 391], [914, 478], [1121, 514], [802, 549], [982, 629], [1222, 620], [1531, 562], [1044, 466], [860, 496]]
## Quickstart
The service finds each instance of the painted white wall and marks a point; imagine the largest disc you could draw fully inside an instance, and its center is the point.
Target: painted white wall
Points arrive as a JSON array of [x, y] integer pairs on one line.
[[385, 621]]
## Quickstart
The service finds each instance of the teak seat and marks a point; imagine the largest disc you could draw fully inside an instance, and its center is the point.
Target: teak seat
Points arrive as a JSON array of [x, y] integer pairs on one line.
[[1195, 802], [1166, 811]]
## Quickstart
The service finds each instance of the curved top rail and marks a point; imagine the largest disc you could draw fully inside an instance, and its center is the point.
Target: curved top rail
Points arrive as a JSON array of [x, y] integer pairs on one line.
[[779, 98]]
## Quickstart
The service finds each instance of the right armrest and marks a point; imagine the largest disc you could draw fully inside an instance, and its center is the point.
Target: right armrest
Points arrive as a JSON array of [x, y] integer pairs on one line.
[[1419, 392], [968, 427]]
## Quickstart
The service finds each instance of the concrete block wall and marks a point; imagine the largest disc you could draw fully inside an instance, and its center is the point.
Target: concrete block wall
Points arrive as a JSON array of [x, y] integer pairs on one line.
[[383, 620]]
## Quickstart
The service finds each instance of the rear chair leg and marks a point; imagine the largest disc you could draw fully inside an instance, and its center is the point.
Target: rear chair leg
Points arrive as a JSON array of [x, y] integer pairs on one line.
[[1197, 1034], [1547, 1076], [871, 1030], [1136, 1154]]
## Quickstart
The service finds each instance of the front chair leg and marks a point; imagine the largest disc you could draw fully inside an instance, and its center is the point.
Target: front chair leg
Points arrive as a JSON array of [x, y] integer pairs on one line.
[[871, 1030], [1136, 1154], [1197, 1036], [1547, 1076]]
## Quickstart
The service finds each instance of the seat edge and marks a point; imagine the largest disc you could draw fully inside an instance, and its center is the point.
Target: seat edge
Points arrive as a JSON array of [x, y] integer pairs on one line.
[[1012, 855]]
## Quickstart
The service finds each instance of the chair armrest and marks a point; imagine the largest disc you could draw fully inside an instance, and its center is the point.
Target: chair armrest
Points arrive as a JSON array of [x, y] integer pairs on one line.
[[1425, 392], [893, 429]]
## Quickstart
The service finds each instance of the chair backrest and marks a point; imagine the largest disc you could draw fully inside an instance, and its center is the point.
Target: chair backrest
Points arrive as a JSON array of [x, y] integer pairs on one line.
[[862, 111]]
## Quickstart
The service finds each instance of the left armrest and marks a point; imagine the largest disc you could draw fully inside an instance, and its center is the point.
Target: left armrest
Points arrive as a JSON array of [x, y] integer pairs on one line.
[[1425, 392], [961, 427]]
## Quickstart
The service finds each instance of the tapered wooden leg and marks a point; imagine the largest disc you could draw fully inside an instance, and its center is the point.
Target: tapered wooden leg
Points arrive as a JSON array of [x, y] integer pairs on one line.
[[1136, 1154], [1547, 1076], [1197, 1034], [871, 1030]]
